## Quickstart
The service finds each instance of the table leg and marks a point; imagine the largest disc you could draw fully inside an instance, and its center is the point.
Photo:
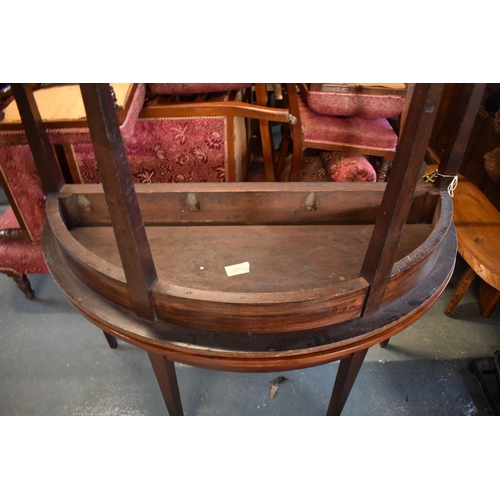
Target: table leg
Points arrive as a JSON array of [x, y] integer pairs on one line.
[[489, 298], [465, 281], [167, 380], [111, 340], [348, 371]]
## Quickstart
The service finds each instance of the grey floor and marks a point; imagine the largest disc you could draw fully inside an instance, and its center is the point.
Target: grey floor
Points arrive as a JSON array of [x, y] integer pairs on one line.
[[54, 362]]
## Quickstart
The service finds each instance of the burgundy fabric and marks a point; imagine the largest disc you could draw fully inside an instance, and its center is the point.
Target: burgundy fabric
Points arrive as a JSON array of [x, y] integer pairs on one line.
[[344, 167], [23, 257], [20, 173], [356, 104], [187, 149], [354, 132], [194, 88], [332, 166], [78, 135]]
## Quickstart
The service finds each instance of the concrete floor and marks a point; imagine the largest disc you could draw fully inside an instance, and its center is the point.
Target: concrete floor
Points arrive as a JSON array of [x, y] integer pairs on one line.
[[54, 362]]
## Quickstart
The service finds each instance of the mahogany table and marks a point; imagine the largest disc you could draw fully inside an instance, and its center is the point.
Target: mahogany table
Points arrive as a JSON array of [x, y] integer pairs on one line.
[[331, 268]]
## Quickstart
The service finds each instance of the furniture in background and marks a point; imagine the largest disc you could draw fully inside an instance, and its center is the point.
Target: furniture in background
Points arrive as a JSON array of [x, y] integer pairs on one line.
[[64, 117], [170, 140], [484, 138], [478, 229], [348, 118]]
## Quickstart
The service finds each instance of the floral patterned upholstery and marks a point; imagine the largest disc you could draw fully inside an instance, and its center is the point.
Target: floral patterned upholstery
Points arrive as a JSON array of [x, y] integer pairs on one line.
[[19, 257], [21, 180], [355, 132], [344, 167], [194, 88], [187, 149], [356, 104]]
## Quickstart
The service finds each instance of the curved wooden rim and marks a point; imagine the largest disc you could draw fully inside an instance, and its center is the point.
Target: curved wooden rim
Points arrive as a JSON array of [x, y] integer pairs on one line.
[[259, 313], [85, 257], [148, 335]]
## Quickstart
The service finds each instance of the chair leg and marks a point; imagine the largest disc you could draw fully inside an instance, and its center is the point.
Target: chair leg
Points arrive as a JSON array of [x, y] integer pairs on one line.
[[111, 340], [385, 343], [167, 380], [23, 283], [383, 170], [464, 284], [348, 371], [283, 149], [489, 298]]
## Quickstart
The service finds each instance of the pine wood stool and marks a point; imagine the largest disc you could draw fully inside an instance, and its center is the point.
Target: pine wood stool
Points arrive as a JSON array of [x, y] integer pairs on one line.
[[478, 228]]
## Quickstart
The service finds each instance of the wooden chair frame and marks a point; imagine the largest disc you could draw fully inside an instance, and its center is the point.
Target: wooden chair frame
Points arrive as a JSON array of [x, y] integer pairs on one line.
[[295, 132]]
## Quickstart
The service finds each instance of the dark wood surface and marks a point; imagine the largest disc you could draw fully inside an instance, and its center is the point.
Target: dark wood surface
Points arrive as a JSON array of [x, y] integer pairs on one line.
[[247, 352], [460, 130], [120, 195], [301, 275], [396, 203], [483, 139], [254, 329], [43, 154]]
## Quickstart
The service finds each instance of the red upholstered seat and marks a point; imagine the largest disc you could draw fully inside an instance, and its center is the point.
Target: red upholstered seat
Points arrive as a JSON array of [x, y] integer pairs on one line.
[[23, 187], [345, 167], [19, 257], [185, 149], [352, 132], [332, 166], [358, 104], [194, 88]]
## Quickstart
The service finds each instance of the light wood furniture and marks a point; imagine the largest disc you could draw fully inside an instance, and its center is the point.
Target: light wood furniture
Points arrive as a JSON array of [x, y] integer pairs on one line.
[[478, 228], [333, 268]]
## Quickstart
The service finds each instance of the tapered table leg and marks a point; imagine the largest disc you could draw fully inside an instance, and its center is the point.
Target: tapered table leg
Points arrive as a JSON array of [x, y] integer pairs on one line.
[[465, 281], [348, 371], [489, 298], [167, 380], [111, 340]]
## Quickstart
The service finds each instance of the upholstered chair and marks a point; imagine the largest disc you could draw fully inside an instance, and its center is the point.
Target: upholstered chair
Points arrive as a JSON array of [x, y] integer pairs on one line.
[[349, 119], [189, 133], [21, 224]]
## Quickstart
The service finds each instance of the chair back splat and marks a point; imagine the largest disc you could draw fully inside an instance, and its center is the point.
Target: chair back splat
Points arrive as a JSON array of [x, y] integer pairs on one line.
[[249, 277]]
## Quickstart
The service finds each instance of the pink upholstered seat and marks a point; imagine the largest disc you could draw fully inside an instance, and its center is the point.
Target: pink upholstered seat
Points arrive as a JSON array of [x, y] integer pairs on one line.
[[194, 88], [21, 251], [186, 149], [23, 188], [332, 166], [345, 167], [358, 104], [18, 256], [352, 132]]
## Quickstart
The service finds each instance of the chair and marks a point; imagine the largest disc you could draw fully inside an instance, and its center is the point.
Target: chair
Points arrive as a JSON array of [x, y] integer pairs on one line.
[[191, 132], [149, 137], [349, 119], [21, 224]]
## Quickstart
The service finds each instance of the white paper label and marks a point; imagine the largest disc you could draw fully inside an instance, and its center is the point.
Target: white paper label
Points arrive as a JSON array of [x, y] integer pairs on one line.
[[242, 268]]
